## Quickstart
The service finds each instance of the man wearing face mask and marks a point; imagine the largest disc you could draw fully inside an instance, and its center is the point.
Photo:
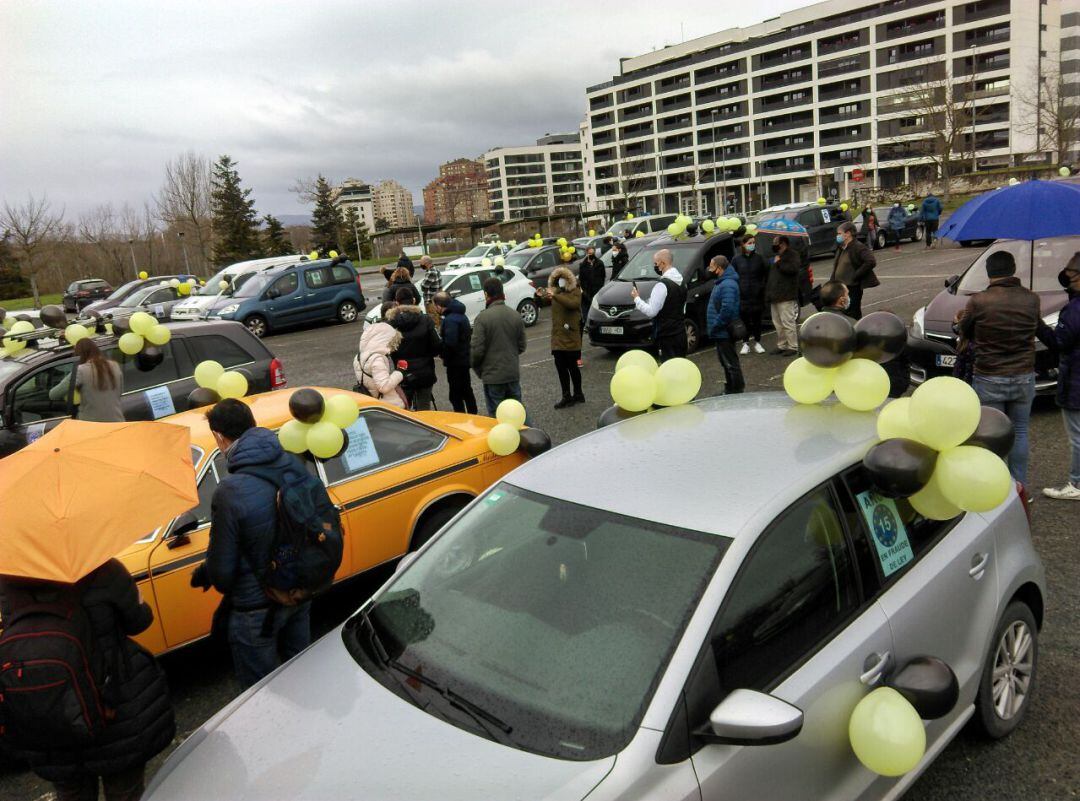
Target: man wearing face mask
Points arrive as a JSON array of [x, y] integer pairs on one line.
[[781, 293], [666, 307], [592, 274], [1067, 335], [723, 309], [853, 266]]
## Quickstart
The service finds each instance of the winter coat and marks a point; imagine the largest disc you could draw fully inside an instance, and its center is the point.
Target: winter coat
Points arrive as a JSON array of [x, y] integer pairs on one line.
[[390, 293], [498, 339], [931, 208], [243, 514], [406, 262], [896, 218], [419, 346], [723, 304], [456, 332], [782, 283], [854, 266], [372, 365], [565, 311], [1003, 321], [1067, 335], [753, 274], [592, 273], [618, 261], [135, 688]]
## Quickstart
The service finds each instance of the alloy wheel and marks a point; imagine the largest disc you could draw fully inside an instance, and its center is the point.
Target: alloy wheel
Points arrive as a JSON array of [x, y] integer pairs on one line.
[[256, 325], [1013, 667], [347, 312], [528, 312]]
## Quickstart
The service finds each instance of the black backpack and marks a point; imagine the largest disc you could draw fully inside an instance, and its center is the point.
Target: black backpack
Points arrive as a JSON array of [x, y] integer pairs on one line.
[[50, 676], [308, 544]]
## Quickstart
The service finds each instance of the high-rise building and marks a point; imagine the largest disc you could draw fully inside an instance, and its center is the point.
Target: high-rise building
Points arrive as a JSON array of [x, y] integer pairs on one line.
[[536, 179], [1070, 66], [393, 204], [356, 193], [768, 113], [459, 194]]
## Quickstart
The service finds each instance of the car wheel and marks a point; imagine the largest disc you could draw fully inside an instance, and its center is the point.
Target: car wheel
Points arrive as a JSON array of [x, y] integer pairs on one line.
[[347, 312], [528, 311], [693, 339], [431, 524], [1008, 677], [880, 239], [256, 324], [918, 235]]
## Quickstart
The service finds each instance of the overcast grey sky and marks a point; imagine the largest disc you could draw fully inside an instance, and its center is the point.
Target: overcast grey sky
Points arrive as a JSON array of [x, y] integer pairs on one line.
[[96, 96]]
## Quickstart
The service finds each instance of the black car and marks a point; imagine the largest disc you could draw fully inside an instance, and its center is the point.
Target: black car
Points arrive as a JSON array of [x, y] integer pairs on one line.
[[819, 221], [124, 290], [84, 292], [36, 392], [912, 231], [601, 243], [539, 263], [614, 322]]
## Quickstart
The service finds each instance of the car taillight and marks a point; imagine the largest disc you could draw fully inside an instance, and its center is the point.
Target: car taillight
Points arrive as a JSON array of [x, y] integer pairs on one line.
[[359, 285], [532, 284], [277, 374], [1022, 492], [82, 293], [811, 271]]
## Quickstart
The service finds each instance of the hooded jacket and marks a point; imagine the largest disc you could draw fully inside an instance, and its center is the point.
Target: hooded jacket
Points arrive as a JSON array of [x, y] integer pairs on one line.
[[931, 208], [723, 304], [456, 332], [1067, 335], [896, 218], [565, 310], [419, 346], [373, 367], [753, 273]]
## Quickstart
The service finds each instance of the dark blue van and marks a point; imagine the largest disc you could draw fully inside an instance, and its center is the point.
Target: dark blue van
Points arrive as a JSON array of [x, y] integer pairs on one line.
[[294, 295]]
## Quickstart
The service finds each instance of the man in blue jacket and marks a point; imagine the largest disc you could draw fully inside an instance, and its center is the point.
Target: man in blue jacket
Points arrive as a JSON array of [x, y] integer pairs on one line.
[[931, 213], [723, 309], [456, 334]]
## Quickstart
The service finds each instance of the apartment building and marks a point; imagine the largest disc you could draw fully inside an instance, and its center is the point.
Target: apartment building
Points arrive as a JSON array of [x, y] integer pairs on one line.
[[459, 194], [533, 180], [1070, 58], [357, 194], [843, 89], [393, 205]]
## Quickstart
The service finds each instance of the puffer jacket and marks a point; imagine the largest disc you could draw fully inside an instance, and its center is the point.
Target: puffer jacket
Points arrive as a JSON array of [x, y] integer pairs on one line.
[[456, 332], [565, 311], [390, 293], [372, 365], [136, 689], [753, 273], [1067, 335], [723, 304], [420, 345], [896, 218]]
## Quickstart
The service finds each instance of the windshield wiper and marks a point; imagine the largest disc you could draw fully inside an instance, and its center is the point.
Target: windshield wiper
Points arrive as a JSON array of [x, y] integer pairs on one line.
[[456, 700]]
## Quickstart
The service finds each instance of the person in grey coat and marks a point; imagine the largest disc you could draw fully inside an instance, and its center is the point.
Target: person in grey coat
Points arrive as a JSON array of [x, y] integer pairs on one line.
[[99, 383], [498, 339]]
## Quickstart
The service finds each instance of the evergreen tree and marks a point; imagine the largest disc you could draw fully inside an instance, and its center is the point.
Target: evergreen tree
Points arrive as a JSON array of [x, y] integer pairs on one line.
[[12, 282], [324, 220], [353, 227], [275, 243], [236, 228]]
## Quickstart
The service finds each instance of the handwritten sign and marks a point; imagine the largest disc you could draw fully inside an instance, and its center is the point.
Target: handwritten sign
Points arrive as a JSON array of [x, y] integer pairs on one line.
[[34, 432], [161, 403], [360, 452], [887, 531]]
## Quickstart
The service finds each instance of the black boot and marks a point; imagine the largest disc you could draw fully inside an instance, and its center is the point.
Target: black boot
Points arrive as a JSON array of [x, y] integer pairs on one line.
[[579, 397], [566, 401]]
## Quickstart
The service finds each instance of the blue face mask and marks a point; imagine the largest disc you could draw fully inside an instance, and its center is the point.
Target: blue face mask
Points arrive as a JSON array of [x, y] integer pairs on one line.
[[839, 239], [750, 247]]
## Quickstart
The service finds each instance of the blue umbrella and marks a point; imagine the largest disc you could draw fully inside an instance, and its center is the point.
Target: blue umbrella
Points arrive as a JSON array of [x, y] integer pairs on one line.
[[1028, 210]]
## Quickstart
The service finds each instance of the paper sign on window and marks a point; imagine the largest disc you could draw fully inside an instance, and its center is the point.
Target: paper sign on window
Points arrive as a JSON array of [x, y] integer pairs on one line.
[[825, 215], [887, 531], [161, 403], [474, 281], [34, 432], [360, 452]]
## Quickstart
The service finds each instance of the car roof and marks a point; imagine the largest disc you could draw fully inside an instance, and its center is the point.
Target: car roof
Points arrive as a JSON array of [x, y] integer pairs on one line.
[[282, 268], [724, 465]]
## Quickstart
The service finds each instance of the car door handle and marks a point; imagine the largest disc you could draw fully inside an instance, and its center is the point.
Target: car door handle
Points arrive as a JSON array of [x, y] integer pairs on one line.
[[978, 565], [874, 668]]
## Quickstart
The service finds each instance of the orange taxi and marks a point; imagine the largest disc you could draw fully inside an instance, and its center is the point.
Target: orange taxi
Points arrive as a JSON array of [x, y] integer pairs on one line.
[[407, 475]]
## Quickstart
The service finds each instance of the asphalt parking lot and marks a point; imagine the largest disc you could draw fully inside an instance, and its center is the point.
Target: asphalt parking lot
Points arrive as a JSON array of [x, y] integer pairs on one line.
[[1038, 762]]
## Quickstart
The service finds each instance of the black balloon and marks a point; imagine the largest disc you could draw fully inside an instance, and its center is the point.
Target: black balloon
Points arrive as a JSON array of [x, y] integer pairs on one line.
[[995, 432], [827, 339], [614, 414], [26, 318], [929, 685], [53, 316], [306, 405], [121, 325], [148, 358], [899, 468], [201, 396], [879, 336], [534, 441]]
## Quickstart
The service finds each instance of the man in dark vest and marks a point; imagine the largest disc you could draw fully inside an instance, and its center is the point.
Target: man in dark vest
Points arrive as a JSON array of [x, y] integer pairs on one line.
[[666, 307]]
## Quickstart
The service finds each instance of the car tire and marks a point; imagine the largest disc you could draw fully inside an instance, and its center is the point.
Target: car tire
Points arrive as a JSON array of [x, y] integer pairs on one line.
[[881, 240], [256, 324], [430, 524], [1014, 657], [693, 336], [347, 312], [529, 312], [919, 233]]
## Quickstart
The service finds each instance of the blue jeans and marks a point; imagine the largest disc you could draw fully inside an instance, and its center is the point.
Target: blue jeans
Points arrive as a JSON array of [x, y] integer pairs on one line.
[[1072, 428], [1013, 395], [495, 394], [254, 654]]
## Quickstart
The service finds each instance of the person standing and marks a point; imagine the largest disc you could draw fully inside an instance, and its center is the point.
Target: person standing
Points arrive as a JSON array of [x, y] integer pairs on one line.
[[853, 266], [140, 723], [896, 224], [375, 372], [498, 340], [1002, 322], [1067, 335], [404, 262], [931, 214], [722, 310], [431, 285], [456, 333], [666, 307], [781, 293], [753, 274], [99, 382], [619, 258], [591, 275], [566, 303], [416, 352], [401, 279]]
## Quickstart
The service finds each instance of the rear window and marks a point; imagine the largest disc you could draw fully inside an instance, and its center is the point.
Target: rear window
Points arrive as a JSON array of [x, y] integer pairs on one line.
[[340, 274], [317, 278], [220, 349]]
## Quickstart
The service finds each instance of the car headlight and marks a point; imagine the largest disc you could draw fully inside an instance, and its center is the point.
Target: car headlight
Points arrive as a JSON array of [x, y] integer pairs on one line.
[[917, 323], [230, 309], [595, 302]]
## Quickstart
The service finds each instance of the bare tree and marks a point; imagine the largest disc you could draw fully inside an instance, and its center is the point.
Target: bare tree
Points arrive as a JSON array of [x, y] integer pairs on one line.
[[33, 226], [632, 172], [99, 228], [306, 191], [184, 200], [1050, 112]]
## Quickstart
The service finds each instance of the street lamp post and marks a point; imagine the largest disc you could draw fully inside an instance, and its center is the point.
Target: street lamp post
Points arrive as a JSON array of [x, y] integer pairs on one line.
[[359, 252], [131, 247], [187, 266], [716, 201], [974, 149]]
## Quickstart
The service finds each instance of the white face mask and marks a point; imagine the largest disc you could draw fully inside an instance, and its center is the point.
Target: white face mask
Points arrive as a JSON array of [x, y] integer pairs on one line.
[[562, 283]]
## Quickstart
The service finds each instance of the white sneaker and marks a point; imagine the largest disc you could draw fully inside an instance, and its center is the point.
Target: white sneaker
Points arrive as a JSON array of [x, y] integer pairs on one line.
[[1070, 492], [758, 348], [744, 349]]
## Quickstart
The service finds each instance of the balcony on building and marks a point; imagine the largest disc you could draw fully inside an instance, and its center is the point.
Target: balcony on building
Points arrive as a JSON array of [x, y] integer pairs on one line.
[[673, 103], [778, 80], [997, 33], [724, 154], [911, 51], [983, 87], [984, 62], [601, 102], [855, 62], [634, 93], [982, 9], [848, 40], [637, 149], [672, 84], [606, 154], [675, 122], [844, 158], [926, 97], [844, 111], [719, 72], [602, 138], [723, 133], [987, 140], [848, 87], [679, 161], [783, 122], [905, 126], [638, 129], [635, 112], [677, 142], [714, 94], [783, 100], [911, 26], [844, 135], [601, 120], [790, 164], [908, 149], [729, 111], [786, 144], [787, 54], [915, 75], [723, 172]]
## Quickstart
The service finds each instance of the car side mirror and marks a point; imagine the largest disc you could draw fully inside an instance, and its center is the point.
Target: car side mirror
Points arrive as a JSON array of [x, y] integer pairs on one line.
[[929, 685], [951, 282], [185, 524], [748, 717]]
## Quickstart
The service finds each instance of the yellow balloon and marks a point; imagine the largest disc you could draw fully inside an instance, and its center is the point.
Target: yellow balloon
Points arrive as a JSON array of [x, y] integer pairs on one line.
[[893, 420], [293, 436], [333, 254], [143, 275], [944, 412], [131, 343], [677, 382], [324, 440], [886, 733], [174, 282], [76, 399], [633, 389], [184, 289], [821, 201], [223, 284], [141, 322], [592, 232], [843, 207], [21, 327], [341, 410], [74, 332], [637, 358], [861, 384], [932, 504], [233, 385], [207, 373], [503, 439], [638, 234], [973, 478], [807, 383], [313, 255], [511, 411], [158, 335]]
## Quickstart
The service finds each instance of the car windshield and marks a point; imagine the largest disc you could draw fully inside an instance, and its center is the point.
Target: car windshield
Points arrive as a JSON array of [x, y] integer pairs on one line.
[[138, 296], [519, 259], [213, 285], [622, 228], [252, 285], [479, 250], [552, 623], [640, 267], [123, 289], [1037, 270], [779, 215]]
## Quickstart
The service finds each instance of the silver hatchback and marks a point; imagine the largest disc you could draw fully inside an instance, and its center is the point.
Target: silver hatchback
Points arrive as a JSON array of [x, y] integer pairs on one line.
[[686, 605]]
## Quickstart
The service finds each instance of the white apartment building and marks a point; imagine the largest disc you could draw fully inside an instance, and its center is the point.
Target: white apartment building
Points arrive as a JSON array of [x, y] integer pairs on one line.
[[356, 193], [393, 204], [1070, 54], [534, 180], [765, 114]]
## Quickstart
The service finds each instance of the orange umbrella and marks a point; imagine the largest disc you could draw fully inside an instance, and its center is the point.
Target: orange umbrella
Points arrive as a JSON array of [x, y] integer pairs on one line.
[[84, 492]]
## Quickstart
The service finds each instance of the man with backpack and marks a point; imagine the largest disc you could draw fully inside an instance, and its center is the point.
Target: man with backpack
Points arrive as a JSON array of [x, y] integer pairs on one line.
[[275, 538]]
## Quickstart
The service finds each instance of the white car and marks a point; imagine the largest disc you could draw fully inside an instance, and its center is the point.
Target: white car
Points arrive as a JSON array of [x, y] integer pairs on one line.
[[196, 307], [467, 284], [476, 256]]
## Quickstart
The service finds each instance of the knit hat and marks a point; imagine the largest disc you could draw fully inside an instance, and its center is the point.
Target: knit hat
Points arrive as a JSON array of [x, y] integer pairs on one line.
[[1000, 264]]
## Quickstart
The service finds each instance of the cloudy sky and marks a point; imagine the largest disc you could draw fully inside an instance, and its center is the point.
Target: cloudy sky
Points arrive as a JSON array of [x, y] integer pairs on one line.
[[96, 96]]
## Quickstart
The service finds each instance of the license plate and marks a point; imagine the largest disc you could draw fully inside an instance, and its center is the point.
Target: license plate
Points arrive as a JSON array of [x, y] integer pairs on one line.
[[611, 329], [941, 360]]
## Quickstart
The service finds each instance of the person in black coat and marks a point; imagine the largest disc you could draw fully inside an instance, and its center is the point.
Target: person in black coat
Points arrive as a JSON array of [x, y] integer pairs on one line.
[[619, 258], [415, 356], [591, 276], [404, 262], [401, 279], [141, 723], [456, 336], [753, 273]]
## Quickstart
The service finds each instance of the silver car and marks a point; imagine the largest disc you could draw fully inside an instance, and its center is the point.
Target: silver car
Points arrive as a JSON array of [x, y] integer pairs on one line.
[[685, 605]]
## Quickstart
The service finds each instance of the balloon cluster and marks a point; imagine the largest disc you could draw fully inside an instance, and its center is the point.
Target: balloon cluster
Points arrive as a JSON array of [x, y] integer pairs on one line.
[[183, 288], [566, 250], [14, 327], [639, 384], [536, 241], [143, 329], [485, 262], [215, 383], [318, 423], [505, 436], [844, 357], [942, 451]]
